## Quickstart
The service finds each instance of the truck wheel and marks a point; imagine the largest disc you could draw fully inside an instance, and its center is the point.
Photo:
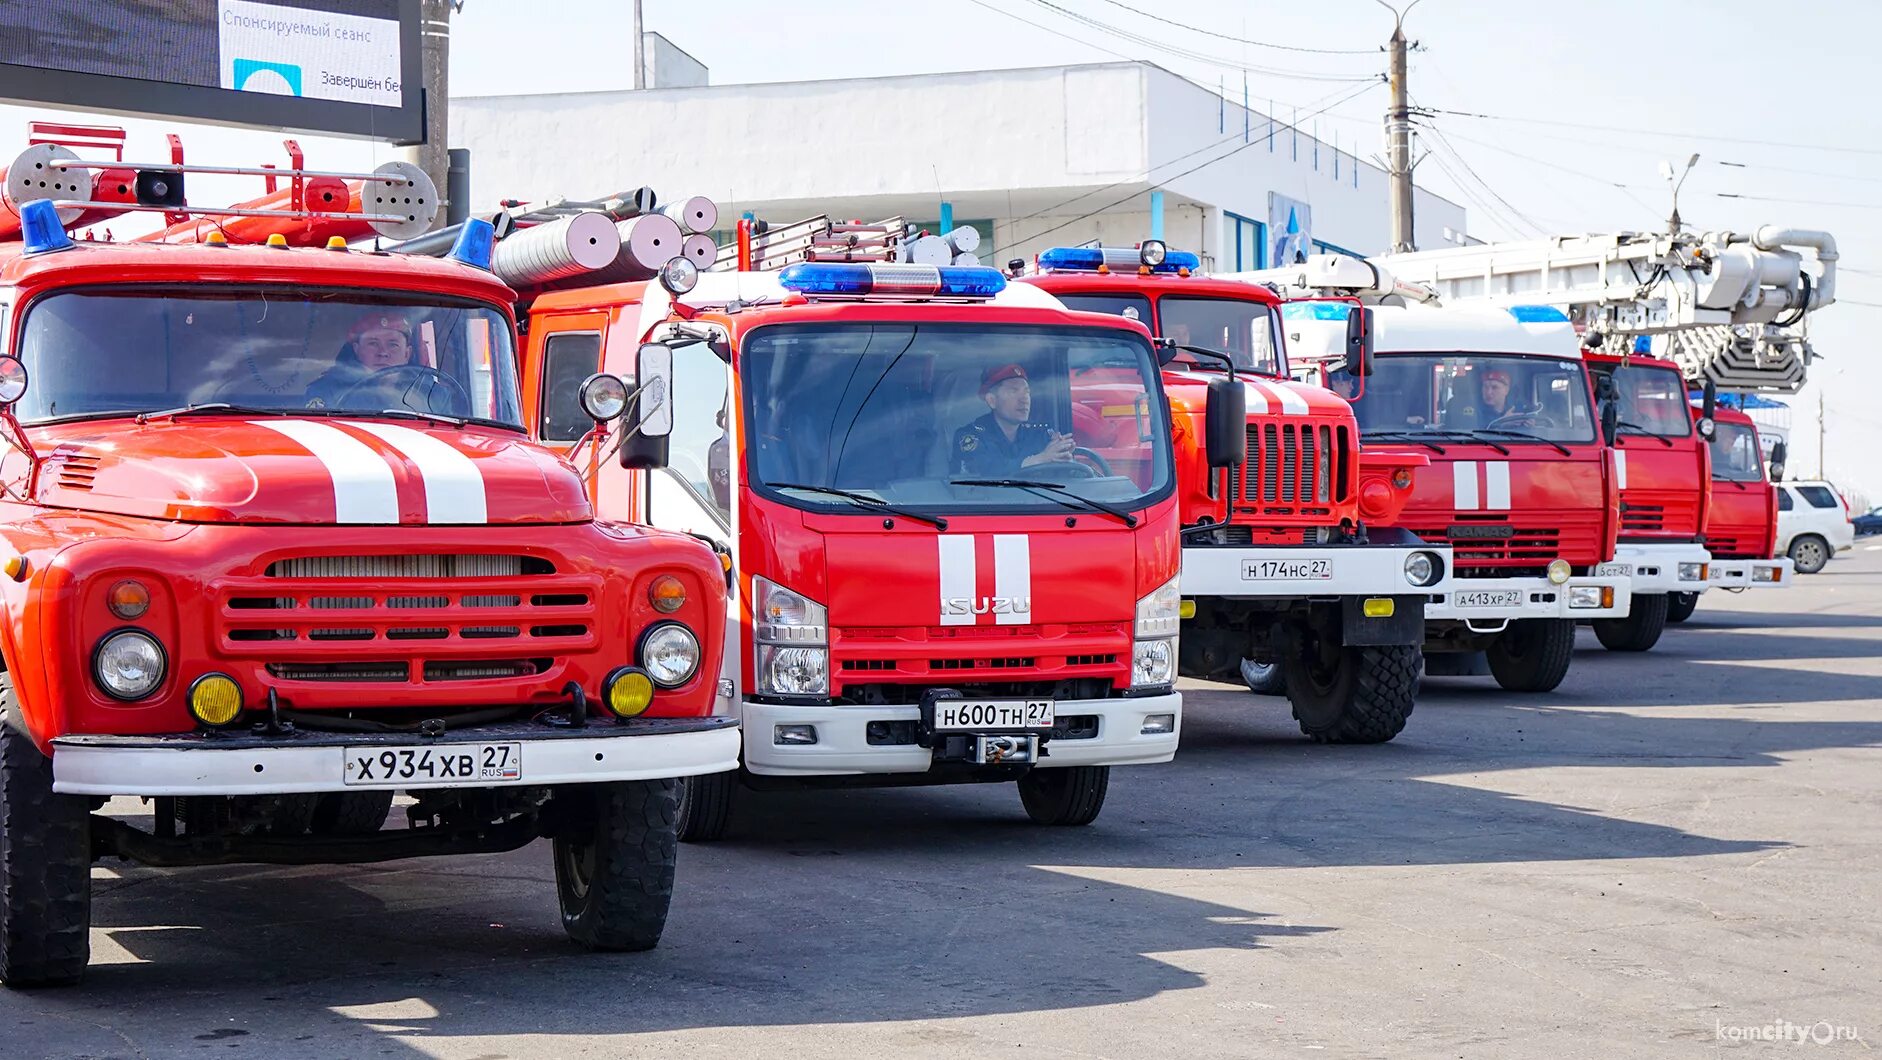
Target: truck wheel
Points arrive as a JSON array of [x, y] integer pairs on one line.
[[1069, 796], [1640, 630], [1533, 654], [1680, 606], [706, 806], [1809, 553], [1354, 695], [1264, 679], [351, 812], [45, 866], [614, 862]]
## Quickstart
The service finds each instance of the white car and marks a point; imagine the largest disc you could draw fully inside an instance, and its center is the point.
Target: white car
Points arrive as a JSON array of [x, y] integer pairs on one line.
[[1812, 524]]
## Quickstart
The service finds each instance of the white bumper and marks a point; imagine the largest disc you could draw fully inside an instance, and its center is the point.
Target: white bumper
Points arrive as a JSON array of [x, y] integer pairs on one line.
[[1655, 568], [843, 746], [1289, 572], [1752, 573], [242, 765], [1474, 601]]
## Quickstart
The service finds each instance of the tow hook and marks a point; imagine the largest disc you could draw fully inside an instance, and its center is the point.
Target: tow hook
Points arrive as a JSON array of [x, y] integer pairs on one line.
[[274, 726]]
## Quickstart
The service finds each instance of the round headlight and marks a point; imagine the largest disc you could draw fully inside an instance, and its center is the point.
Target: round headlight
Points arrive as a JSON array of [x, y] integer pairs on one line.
[[215, 700], [628, 692], [1152, 252], [129, 664], [679, 275], [1421, 568], [1559, 571], [670, 654], [603, 396]]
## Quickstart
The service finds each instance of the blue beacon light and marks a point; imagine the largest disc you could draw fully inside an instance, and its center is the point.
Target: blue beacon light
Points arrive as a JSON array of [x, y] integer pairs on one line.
[[861, 280], [1118, 259], [474, 242], [41, 231]]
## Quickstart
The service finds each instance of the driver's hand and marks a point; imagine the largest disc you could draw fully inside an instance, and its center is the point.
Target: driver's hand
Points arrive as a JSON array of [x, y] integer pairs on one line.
[[1057, 450]]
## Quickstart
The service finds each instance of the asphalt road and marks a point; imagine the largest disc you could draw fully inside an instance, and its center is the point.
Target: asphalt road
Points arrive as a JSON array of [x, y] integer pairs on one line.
[[1673, 851]]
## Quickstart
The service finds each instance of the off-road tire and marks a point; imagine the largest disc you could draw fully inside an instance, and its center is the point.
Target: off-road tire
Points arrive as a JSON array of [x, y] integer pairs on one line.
[[1680, 606], [1070, 797], [615, 855], [351, 812], [1640, 630], [1533, 654], [1810, 553], [45, 866], [1263, 679], [706, 806], [1367, 699]]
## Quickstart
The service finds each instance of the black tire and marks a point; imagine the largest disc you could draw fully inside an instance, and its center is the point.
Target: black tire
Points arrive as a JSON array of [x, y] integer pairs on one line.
[[614, 862], [1263, 679], [1354, 695], [351, 812], [45, 866], [1069, 797], [1680, 606], [1533, 654], [1810, 553], [1640, 630], [706, 806]]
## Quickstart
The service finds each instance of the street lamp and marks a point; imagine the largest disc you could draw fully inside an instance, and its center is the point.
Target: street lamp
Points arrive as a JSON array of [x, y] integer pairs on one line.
[[1677, 180]]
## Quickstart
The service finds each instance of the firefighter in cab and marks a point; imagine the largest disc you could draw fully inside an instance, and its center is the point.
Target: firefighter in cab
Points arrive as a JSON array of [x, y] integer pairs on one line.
[[1002, 442]]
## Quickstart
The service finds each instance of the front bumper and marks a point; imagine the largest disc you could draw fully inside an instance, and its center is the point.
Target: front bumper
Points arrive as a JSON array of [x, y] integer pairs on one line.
[[1534, 598], [1288, 572], [1655, 567], [307, 761], [1752, 573], [843, 746]]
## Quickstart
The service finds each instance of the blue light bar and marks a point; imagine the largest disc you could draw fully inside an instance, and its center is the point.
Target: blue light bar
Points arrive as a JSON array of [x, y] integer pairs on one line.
[[41, 231], [1538, 314], [1316, 310], [473, 246], [866, 280], [1118, 259]]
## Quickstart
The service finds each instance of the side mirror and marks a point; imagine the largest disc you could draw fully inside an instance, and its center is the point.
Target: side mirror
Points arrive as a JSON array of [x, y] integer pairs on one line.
[[1225, 423], [647, 441], [12, 380], [1778, 452], [1166, 352], [1359, 341], [1709, 405], [1610, 422]]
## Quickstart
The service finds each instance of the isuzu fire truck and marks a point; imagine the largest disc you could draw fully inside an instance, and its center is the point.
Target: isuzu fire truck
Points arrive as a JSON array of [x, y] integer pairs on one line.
[[950, 508], [1293, 577], [1526, 490], [1741, 521], [276, 545]]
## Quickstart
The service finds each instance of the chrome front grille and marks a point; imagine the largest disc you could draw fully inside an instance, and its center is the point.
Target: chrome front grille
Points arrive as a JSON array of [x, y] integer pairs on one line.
[[1292, 469], [454, 565]]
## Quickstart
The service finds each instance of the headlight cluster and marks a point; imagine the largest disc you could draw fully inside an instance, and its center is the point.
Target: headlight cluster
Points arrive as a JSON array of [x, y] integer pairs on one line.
[[1159, 616], [670, 654], [1585, 597], [792, 634], [129, 664], [1692, 572], [1423, 569]]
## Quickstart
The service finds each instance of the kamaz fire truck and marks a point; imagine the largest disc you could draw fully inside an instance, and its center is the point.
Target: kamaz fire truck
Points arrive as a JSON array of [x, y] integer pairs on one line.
[[1741, 521], [949, 506], [1293, 577], [277, 545]]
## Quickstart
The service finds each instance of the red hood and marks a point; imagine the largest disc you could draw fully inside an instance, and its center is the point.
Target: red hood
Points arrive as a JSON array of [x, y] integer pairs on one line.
[[1664, 491], [1265, 396], [317, 470]]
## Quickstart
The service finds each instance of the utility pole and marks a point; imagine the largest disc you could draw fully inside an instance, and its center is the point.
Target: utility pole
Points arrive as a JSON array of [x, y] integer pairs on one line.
[[1821, 471], [1398, 136], [434, 32], [640, 50]]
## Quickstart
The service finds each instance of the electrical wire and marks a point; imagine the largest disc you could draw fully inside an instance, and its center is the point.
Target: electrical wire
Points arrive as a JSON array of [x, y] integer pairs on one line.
[[1457, 156], [1049, 29], [1658, 132], [1625, 189], [1799, 202], [1241, 40], [1190, 53]]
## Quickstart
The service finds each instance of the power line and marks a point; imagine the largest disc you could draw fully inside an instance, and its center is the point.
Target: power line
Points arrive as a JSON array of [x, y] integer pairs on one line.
[[1762, 168], [1799, 202], [1049, 29], [1458, 156], [1659, 132], [1190, 53], [1241, 40], [1625, 189]]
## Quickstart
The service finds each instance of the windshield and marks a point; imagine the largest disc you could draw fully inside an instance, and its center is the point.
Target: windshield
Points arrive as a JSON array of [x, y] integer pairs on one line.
[[1438, 393], [108, 352], [1653, 400], [1243, 330], [1735, 455], [901, 413]]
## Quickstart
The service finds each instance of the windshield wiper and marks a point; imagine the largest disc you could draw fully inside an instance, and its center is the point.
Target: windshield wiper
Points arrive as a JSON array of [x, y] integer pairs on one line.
[[414, 414], [1525, 436], [1059, 493], [864, 499], [223, 407], [1636, 428], [1400, 436]]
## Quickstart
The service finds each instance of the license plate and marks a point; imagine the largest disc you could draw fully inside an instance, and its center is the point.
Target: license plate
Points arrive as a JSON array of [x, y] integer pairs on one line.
[[1614, 570], [1286, 570], [1488, 598], [969, 715], [435, 765]]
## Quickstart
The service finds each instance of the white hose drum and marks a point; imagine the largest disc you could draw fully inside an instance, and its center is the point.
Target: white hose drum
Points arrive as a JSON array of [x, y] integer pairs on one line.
[[696, 215], [964, 240], [568, 246], [700, 250]]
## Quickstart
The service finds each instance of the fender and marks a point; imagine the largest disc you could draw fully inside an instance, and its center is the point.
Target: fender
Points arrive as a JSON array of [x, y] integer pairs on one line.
[[1385, 483]]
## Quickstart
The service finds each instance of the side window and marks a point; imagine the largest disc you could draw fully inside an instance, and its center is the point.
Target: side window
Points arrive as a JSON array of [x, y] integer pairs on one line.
[[567, 359], [1784, 502], [700, 449], [1818, 496]]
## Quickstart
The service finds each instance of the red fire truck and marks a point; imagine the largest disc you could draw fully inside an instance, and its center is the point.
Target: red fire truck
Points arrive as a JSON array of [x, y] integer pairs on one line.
[[277, 545], [951, 510], [1293, 578], [1662, 466], [1525, 490], [1741, 522]]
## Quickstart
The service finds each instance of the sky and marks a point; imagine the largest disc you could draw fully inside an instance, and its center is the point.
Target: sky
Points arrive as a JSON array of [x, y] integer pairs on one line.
[[1579, 103]]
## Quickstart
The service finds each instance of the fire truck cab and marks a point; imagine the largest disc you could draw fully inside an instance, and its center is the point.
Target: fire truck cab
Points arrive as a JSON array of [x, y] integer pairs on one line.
[[949, 508], [1741, 522], [277, 546]]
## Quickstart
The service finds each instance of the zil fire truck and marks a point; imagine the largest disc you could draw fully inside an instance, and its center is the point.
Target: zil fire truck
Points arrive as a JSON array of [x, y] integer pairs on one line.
[[950, 508], [277, 545], [1741, 521], [1293, 577]]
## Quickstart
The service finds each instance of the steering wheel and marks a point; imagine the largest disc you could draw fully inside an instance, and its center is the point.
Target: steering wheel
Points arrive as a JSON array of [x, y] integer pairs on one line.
[[433, 381], [1095, 459], [1531, 418]]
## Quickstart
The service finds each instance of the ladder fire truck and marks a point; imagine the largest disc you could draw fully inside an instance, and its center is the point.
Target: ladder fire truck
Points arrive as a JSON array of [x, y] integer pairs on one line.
[[948, 506], [276, 546], [1293, 577]]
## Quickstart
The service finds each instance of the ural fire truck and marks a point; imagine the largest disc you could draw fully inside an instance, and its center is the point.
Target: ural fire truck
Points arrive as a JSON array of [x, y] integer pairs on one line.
[[951, 511], [1293, 577], [277, 545], [1741, 521]]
